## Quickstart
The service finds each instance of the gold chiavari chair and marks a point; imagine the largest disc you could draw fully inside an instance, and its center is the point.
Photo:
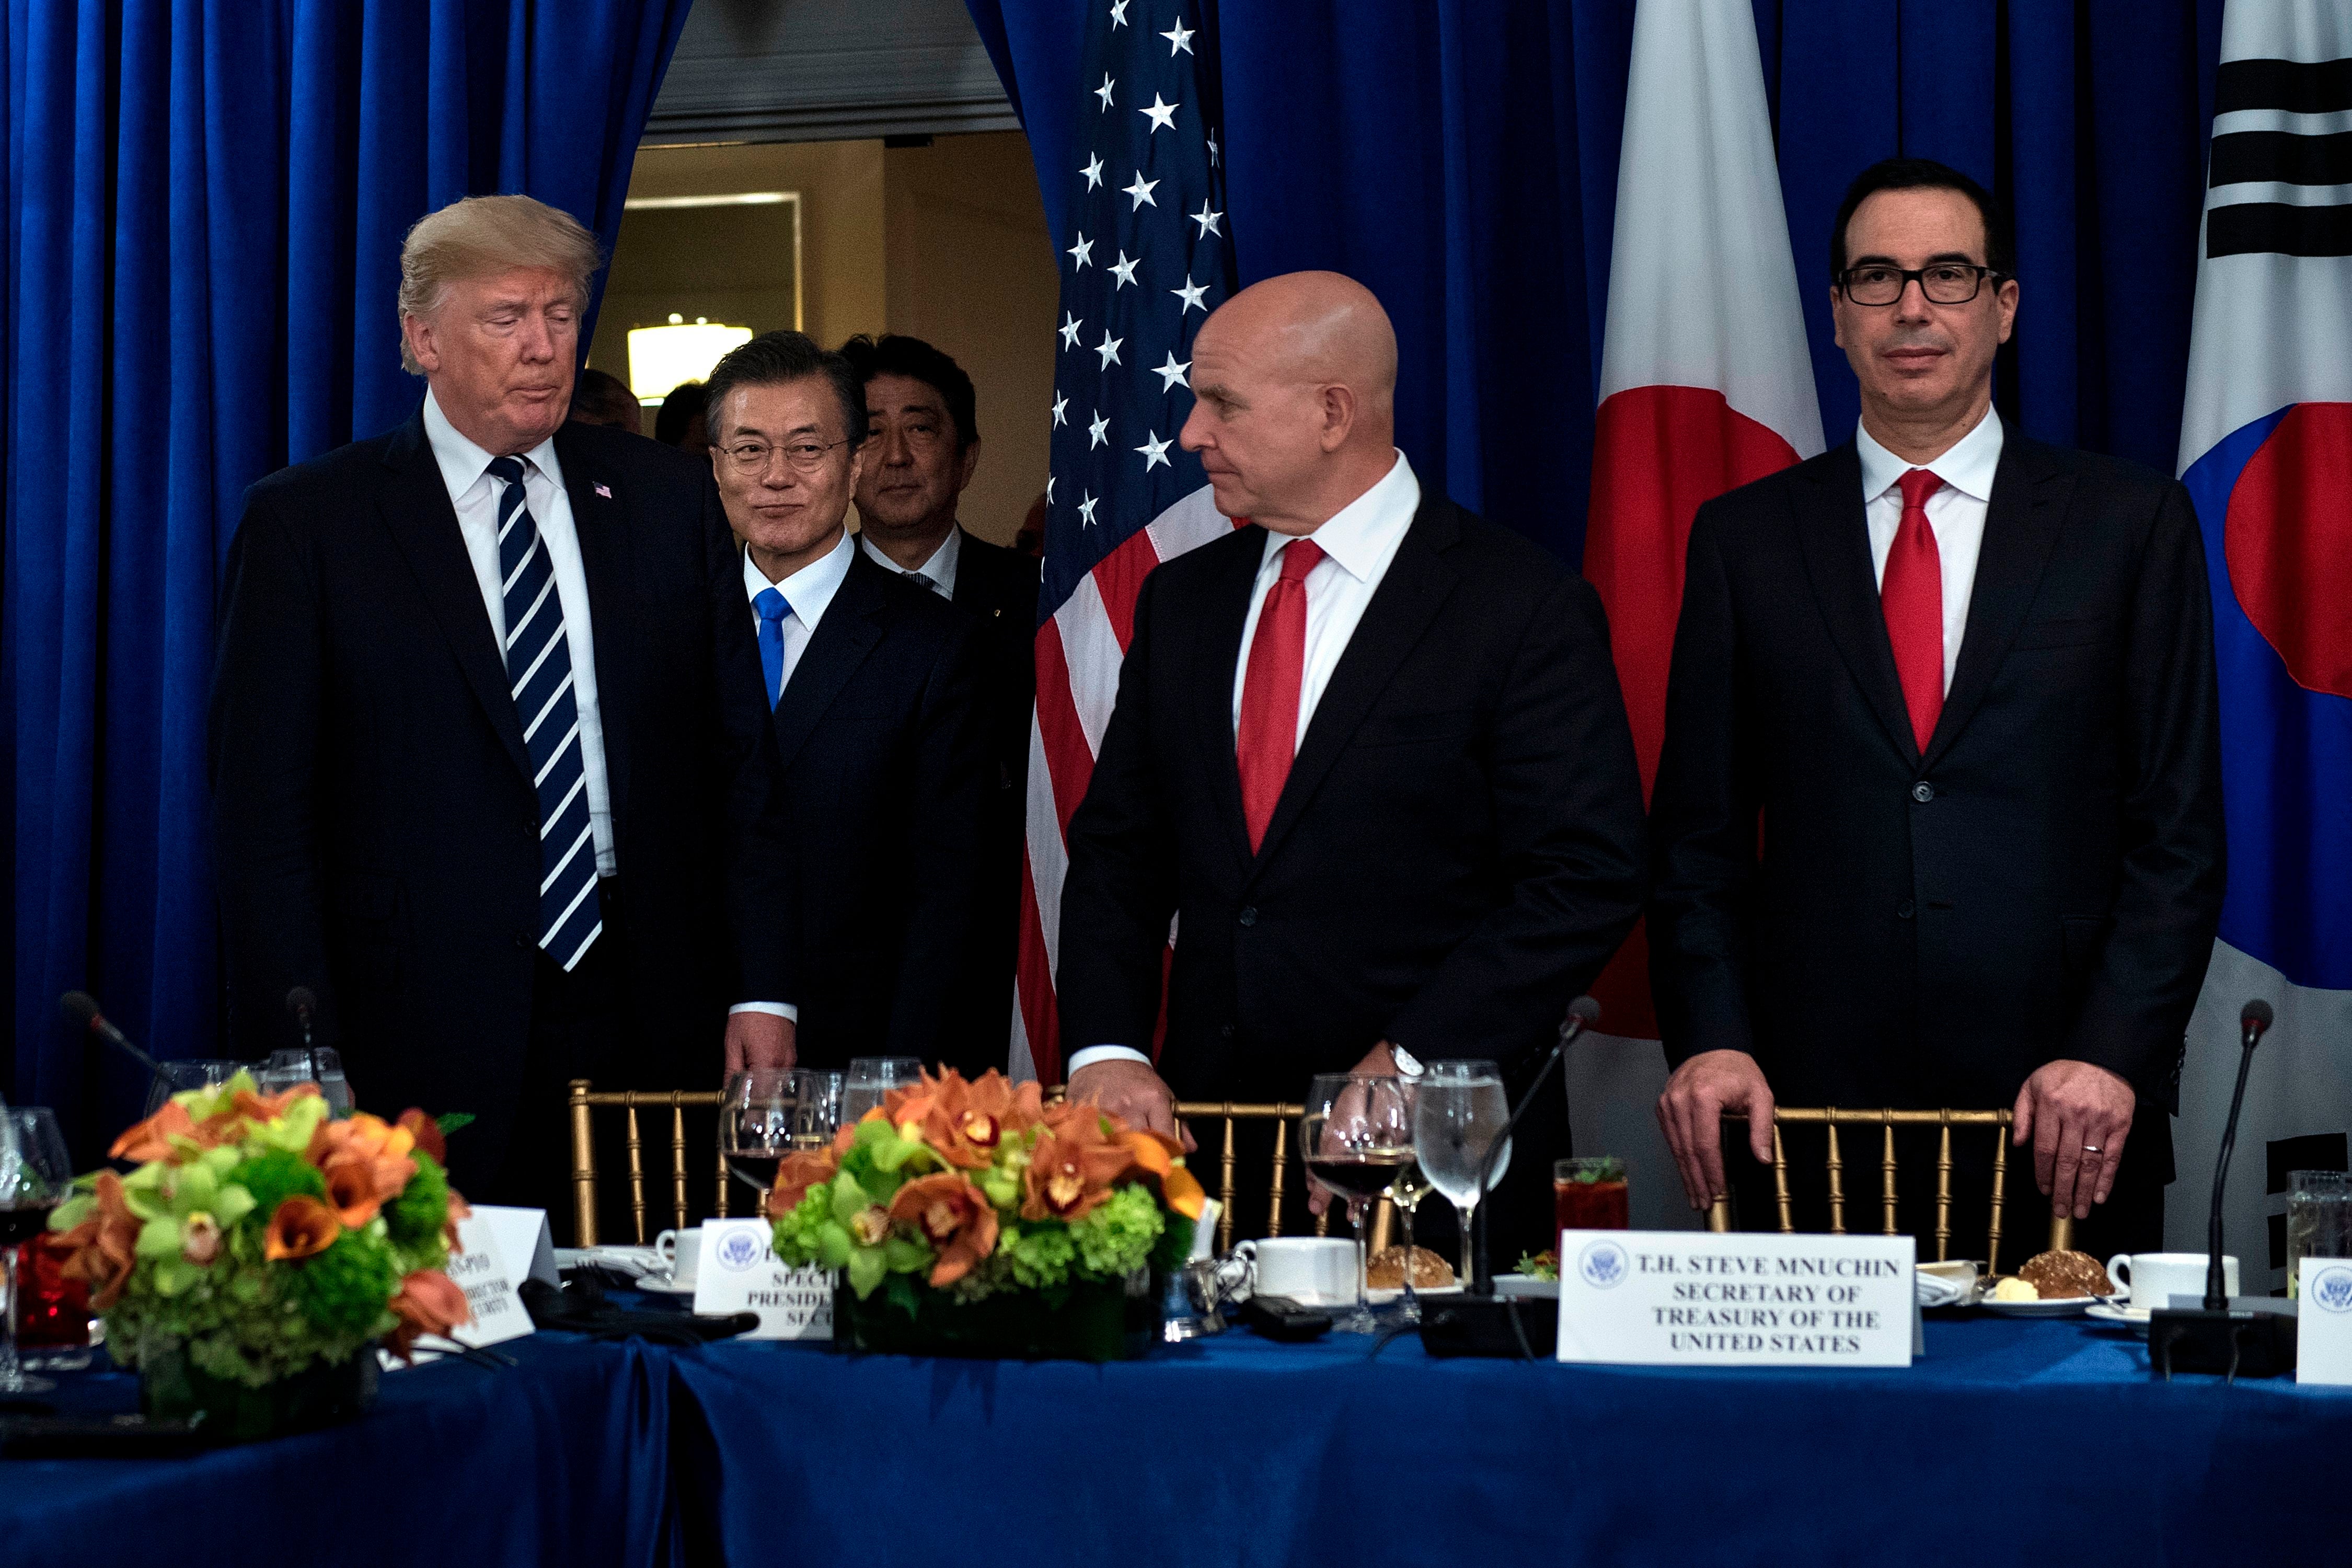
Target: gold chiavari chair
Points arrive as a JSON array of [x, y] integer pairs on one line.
[[1232, 1114], [583, 1100], [2062, 1228]]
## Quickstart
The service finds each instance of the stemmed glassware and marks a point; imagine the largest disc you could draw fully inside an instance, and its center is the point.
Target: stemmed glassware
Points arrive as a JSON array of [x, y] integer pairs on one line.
[[35, 1175], [321, 1065], [872, 1078], [755, 1127], [1459, 1109], [195, 1073], [817, 1106], [1356, 1137]]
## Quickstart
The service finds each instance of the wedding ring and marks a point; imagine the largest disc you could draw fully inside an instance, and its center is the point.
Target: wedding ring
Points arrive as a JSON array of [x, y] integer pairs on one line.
[[2090, 1148]]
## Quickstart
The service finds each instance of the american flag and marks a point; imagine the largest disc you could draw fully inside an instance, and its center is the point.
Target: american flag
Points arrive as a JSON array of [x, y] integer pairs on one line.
[[1148, 257]]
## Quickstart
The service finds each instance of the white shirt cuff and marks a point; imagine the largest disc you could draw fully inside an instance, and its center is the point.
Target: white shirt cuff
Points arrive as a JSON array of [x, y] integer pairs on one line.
[[1093, 1054], [784, 1010]]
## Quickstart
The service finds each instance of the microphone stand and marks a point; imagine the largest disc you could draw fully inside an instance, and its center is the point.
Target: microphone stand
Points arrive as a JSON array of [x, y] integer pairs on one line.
[[1475, 1324], [2216, 1337]]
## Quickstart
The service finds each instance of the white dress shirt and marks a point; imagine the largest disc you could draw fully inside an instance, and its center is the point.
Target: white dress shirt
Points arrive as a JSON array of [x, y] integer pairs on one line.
[[808, 591], [937, 573], [1358, 541], [465, 468], [1956, 513]]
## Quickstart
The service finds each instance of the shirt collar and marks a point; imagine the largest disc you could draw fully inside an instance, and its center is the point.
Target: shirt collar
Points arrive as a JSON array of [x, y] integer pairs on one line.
[[1967, 466], [463, 463], [809, 590], [1362, 534], [940, 568]]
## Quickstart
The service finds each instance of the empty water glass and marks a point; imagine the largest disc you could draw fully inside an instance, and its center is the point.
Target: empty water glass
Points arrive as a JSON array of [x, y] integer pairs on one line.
[[321, 1065], [177, 1078], [873, 1078], [2318, 1219]]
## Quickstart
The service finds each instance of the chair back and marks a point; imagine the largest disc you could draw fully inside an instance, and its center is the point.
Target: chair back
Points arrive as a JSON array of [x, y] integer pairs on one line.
[[1232, 1114], [1831, 1118], [585, 1102]]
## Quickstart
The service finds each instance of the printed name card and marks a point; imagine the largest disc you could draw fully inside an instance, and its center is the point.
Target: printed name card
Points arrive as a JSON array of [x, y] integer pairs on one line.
[[1670, 1297], [479, 1268], [526, 1247], [2323, 1321], [738, 1272]]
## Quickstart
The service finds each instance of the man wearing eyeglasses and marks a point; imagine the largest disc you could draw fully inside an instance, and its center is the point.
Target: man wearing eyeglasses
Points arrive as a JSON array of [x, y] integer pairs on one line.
[[1937, 822], [872, 682]]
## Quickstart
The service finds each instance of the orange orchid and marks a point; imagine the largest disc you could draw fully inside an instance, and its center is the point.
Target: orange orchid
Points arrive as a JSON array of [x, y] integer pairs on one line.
[[381, 1146], [1071, 1170], [153, 1137], [954, 1216], [1157, 1153], [103, 1246], [966, 1122], [269, 1106], [426, 1135], [796, 1173], [302, 1227], [428, 1302]]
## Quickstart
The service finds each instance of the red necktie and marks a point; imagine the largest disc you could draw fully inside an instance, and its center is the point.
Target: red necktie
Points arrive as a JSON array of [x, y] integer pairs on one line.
[[1912, 594], [1268, 737]]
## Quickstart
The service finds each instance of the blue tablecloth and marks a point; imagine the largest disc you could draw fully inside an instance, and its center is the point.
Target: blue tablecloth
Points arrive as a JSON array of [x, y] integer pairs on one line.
[[561, 1460], [2007, 1437]]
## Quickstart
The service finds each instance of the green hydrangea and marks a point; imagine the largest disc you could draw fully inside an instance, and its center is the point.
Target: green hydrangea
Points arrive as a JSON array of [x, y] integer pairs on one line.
[[1037, 1255], [416, 1216], [275, 1176], [1117, 1239], [343, 1290]]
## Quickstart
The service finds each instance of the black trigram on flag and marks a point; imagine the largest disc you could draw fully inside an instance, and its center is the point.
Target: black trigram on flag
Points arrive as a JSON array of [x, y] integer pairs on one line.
[[2282, 143]]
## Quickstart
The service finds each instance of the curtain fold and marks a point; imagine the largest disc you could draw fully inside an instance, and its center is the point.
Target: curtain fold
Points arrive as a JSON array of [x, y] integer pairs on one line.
[[205, 203], [1460, 156]]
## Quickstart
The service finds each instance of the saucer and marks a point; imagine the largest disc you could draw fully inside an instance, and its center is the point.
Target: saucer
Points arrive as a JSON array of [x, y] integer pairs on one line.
[[654, 1286], [2064, 1307], [2132, 1318]]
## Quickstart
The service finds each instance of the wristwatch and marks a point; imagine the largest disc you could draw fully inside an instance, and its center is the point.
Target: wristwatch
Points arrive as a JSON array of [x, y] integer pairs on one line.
[[1408, 1066]]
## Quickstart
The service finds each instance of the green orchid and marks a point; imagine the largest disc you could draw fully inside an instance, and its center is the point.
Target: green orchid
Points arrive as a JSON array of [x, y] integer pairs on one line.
[[186, 1208]]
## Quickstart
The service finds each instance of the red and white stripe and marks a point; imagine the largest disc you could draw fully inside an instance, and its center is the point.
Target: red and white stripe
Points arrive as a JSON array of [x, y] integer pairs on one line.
[[1078, 655]]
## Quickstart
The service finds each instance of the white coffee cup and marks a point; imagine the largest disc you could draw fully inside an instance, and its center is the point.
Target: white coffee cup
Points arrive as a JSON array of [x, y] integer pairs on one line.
[[1311, 1269], [2155, 1277], [681, 1254]]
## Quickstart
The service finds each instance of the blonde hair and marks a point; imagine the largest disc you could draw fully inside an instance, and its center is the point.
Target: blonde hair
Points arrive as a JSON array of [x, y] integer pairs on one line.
[[483, 235]]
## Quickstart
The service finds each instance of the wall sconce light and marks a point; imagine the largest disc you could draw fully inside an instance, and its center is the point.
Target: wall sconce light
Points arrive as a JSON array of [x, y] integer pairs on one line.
[[660, 358]]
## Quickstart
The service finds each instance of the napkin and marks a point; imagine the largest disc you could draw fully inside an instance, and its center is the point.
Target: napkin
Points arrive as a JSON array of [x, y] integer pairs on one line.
[[1946, 1284]]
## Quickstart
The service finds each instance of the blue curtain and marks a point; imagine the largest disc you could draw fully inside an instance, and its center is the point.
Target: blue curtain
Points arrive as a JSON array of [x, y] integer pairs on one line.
[[1460, 156], [206, 205]]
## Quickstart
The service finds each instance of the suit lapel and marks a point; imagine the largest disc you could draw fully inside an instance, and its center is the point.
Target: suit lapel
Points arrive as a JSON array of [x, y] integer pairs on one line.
[[852, 624], [598, 522], [416, 507], [1219, 630], [1837, 543], [2022, 523], [1416, 585]]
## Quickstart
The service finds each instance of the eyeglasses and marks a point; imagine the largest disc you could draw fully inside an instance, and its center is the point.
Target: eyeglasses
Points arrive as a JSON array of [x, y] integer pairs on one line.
[[803, 456], [1943, 283]]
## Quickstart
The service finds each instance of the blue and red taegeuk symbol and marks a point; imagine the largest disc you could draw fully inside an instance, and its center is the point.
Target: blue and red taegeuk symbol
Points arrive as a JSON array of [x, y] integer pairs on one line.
[[2275, 502]]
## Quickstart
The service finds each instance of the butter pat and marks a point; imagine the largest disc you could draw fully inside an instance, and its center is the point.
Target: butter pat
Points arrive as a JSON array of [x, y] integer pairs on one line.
[[2015, 1290]]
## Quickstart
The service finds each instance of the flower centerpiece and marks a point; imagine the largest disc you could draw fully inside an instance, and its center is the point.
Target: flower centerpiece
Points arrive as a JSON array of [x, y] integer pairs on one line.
[[249, 1265], [971, 1218]]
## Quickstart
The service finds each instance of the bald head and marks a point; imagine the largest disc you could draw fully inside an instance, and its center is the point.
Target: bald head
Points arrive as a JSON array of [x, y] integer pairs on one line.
[[1296, 385]]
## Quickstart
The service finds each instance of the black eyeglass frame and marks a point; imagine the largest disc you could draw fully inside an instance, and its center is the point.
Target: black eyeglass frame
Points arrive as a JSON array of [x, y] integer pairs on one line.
[[1907, 276]]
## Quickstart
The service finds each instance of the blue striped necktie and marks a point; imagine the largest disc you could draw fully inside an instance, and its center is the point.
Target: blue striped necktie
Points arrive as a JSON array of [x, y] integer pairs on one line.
[[539, 670]]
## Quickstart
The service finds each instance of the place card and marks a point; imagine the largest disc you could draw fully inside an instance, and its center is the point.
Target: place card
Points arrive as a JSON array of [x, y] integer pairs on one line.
[[526, 1247], [477, 1266], [2322, 1321], [1671, 1297], [738, 1272]]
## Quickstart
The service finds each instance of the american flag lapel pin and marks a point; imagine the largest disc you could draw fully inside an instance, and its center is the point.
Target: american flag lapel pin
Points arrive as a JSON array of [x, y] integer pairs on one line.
[[604, 491]]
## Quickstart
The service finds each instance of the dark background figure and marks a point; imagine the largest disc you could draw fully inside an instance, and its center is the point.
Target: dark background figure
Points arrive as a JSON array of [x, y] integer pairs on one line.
[[1401, 817], [678, 421], [875, 685], [491, 766], [1937, 822], [598, 398], [922, 448]]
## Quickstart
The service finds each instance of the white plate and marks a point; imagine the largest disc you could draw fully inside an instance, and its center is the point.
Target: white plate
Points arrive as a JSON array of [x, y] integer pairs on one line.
[[2132, 1318], [653, 1285], [2064, 1307], [1381, 1296]]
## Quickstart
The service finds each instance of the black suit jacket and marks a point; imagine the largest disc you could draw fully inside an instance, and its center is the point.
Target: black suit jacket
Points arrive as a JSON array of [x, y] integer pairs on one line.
[[376, 826], [885, 764], [998, 588], [1927, 930], [1455, 853]]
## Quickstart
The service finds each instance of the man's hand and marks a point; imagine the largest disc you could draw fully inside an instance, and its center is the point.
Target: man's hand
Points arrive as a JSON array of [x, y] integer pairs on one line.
[[1131, 1091], [1691, 1111], [2078, 1117], [761, 1040], [1378, 1062]]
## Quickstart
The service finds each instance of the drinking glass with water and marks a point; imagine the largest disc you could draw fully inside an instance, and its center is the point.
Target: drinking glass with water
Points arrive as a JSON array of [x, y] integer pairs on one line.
[[1459, 1109]]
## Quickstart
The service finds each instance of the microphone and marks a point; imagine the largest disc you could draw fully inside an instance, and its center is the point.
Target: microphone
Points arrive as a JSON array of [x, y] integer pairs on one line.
[[1581, 1012], [81, 1009], [2219, 1337], [303, 1003]]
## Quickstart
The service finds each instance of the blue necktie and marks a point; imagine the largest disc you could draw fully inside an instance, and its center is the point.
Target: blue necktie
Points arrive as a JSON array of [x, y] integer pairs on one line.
[[773, 610], [539, 670]]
